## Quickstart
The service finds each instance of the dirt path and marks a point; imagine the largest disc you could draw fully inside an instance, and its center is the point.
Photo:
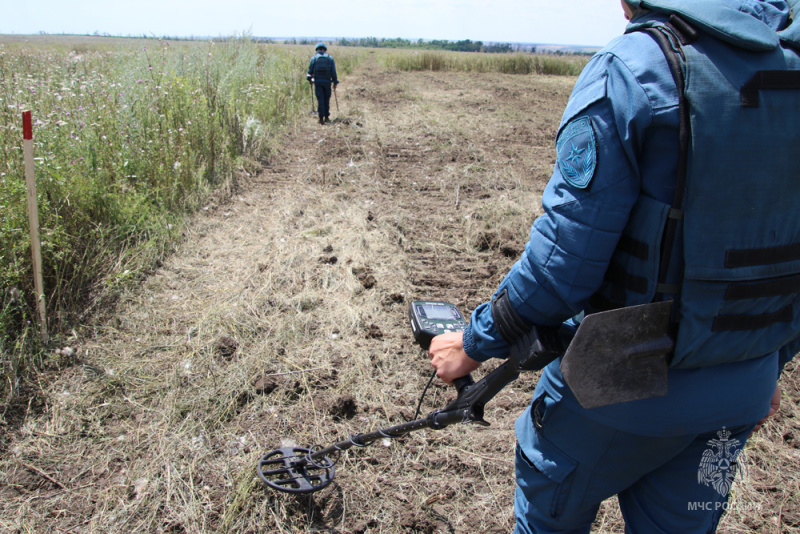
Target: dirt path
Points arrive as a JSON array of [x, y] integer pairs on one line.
[[282, 320]]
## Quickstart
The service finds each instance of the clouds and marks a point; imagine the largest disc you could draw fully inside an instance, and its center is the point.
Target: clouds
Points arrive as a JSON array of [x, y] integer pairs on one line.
[[584, 22]]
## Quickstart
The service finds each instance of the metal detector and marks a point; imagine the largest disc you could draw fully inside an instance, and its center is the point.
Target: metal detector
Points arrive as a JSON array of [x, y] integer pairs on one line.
[[306, 470]]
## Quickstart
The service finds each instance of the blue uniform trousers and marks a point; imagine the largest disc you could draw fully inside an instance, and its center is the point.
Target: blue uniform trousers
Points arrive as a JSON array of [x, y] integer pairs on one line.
[[567, 464], [323, 90]]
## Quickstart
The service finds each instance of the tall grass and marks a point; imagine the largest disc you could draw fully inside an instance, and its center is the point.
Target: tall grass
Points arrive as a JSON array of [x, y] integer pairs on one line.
[[483, 63], [128, 138]]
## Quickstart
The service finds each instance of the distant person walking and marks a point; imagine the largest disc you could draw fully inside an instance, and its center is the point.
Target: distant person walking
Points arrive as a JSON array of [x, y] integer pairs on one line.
[[322, 73]]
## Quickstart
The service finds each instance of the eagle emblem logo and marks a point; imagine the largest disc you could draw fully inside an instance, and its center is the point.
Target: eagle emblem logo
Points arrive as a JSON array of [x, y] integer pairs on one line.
[[719, 464]]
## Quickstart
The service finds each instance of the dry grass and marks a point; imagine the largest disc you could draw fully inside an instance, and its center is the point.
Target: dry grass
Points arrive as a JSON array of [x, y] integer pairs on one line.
[[291, 297]]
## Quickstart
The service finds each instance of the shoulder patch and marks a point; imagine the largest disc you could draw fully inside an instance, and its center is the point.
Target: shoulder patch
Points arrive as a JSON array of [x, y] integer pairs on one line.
[[577, 152]]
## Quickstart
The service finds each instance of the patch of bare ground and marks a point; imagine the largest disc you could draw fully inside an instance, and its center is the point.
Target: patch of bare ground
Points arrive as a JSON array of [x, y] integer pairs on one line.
[[282, 321]]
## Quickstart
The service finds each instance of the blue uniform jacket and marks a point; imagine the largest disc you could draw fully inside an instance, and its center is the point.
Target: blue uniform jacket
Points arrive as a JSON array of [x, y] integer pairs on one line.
[[627, 95], [311, 74]]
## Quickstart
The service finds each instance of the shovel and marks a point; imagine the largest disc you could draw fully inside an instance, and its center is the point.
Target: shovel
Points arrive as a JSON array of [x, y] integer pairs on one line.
[[620, 355]]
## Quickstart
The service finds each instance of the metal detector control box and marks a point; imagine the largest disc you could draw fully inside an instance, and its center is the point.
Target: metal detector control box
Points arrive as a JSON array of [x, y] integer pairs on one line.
[[430, 318]]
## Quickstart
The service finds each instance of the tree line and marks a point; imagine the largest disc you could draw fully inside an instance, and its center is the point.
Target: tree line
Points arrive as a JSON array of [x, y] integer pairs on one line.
[[465, 45]]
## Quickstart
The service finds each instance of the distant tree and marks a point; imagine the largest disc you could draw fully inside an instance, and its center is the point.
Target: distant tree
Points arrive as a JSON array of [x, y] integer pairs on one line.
[[498, 48]]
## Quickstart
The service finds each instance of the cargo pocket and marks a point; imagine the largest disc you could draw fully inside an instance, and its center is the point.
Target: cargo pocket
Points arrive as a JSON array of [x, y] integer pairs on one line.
[[544, 471]]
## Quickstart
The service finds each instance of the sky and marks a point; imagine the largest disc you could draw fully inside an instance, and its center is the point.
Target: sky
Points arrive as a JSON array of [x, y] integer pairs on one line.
[[566, 22]]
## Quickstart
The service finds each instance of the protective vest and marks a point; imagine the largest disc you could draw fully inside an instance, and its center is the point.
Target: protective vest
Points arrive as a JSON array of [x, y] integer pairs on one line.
[[736, 215], [323, 67]]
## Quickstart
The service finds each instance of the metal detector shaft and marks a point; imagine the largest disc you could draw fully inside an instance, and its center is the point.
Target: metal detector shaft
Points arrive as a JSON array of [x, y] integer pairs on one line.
[[362, 440], [435, 420]]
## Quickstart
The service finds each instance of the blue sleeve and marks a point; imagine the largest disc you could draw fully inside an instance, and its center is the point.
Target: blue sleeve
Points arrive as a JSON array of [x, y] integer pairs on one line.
[[570, 246], [334, 78], [310, 72]]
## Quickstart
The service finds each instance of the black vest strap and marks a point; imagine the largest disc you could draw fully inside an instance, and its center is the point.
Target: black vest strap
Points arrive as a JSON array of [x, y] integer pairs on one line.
[[761, 256], [634, 247], [768, 80], [681, 32], [752, 322], [777, 287]]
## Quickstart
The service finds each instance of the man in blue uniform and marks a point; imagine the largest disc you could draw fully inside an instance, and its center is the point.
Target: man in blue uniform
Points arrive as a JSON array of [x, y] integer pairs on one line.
[[697, 93], [322, 73]]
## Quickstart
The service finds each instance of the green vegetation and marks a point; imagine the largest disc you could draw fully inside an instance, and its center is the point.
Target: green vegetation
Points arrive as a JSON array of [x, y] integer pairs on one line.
[[454, 46], [129, 136], [562, 65]]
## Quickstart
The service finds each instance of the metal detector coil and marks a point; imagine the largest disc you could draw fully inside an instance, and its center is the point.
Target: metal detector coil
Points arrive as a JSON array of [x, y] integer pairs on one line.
[[292, 470]]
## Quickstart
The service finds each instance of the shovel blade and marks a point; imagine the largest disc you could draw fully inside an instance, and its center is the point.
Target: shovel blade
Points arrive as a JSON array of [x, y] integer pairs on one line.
[[620, 355]]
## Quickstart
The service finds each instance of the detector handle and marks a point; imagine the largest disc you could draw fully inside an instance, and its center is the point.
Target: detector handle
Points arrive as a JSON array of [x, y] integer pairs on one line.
[[473, 396], [461, 383], [423, 339]]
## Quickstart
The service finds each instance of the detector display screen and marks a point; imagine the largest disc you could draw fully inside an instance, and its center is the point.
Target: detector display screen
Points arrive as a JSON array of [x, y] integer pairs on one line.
[[438, 312], [430, 318]]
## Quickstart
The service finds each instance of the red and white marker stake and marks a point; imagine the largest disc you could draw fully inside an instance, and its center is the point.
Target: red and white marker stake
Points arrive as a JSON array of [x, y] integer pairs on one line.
[[33, 220]]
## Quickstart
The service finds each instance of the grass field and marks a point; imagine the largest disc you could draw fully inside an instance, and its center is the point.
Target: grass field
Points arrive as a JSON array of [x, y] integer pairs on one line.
[[276, 314], [131, 135], [518, 63]]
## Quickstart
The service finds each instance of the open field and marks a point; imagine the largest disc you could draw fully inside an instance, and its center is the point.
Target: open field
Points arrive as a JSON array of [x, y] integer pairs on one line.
[[281, 319], [130, 136]]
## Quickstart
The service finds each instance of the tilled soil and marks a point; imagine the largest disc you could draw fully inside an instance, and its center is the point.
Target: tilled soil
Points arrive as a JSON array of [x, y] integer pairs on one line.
[[281, 321]]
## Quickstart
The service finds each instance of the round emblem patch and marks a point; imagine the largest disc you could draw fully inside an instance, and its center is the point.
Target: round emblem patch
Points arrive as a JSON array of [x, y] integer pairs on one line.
[[577, 152]]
